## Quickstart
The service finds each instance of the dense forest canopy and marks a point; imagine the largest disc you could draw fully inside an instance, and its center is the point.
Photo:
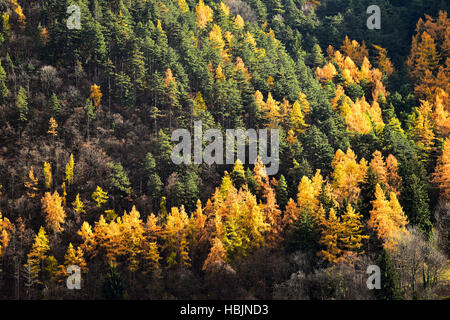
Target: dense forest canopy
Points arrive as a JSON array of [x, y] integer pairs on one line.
[[87, 109]]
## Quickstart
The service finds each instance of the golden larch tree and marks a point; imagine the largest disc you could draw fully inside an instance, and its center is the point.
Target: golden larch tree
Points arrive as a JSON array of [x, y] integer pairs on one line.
[[204, 14], [96, 95], [38, 254], [31, 183], [442, 171], [47, 175], [54, 211]]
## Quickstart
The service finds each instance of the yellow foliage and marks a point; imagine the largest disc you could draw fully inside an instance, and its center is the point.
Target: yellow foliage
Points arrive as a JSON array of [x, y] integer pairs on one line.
[[239, 22], [96, 95], [54, 212], [347, 176], [47, 175], [204, 14]]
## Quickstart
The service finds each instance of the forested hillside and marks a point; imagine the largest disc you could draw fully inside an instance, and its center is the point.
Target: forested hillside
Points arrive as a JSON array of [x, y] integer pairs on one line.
[[87, 177]]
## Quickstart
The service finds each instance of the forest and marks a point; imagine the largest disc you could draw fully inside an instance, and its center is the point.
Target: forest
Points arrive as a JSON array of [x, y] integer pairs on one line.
[[88, 107]]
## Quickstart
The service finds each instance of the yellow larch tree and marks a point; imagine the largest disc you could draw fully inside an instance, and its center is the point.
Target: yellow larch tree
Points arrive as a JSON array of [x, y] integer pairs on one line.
[[78, 205], [331, 229], [47, 175], [387, 218], [422, 127], [176, 238], [379, 166], [6, 229], [75, 257], [271, 111], [31, 183], [239, 22], [99, 196], [96, 95], [38, 254], [204, 14], [69, 169], [347, 175], [54, 211], [183, 6]]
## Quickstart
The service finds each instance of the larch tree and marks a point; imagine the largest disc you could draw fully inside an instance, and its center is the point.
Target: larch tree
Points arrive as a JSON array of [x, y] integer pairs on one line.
[[175, 236], [96, 95], [78, 205], [331, 230], [75, 257], [6, 230], [387, 218], [347, 175], [47, 175], [442, 171], [69, 170], [54, 211], [204, 14], [217, 257], [52, 126], [99, 196], [354, 50], [31, 183], [38, 254]]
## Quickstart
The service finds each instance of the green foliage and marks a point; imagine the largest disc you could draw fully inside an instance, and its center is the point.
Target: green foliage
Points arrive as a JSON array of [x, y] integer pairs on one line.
[[22, 105], [112, 287], [119, 179], [390, 289], [3, 88], [282, 192]]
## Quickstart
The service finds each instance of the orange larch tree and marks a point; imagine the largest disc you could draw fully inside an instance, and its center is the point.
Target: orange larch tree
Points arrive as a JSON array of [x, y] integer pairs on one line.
[[442, 171]]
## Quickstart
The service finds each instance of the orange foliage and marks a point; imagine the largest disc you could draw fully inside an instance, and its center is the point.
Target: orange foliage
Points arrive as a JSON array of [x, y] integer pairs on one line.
[[354, 50], [442, 171], [387, 217]]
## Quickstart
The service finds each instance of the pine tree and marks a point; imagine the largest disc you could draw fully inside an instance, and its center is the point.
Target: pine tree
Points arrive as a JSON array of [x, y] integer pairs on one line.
[[112, 287], [238, 174], [90, 114], [390, 288], [3, 87], [22, 105], [55, 107], [282, 192]]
